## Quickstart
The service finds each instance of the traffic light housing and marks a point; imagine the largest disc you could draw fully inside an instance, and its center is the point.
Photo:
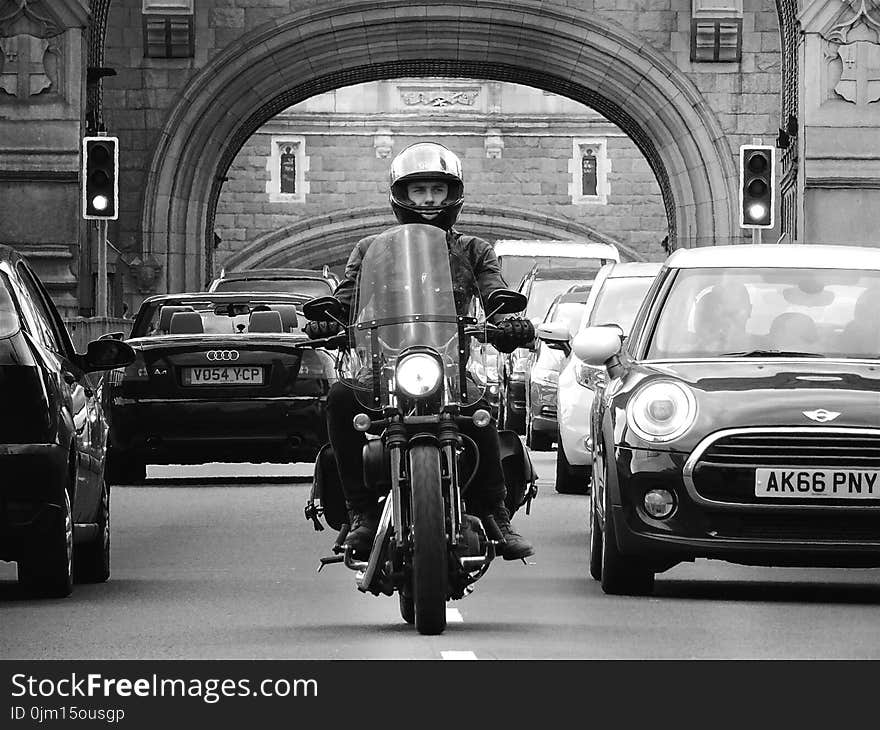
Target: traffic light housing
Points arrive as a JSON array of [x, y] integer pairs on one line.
[[100, 178], [757, 186]]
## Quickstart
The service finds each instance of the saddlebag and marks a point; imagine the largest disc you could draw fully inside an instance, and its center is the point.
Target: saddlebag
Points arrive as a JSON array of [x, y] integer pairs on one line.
[[519, 473]]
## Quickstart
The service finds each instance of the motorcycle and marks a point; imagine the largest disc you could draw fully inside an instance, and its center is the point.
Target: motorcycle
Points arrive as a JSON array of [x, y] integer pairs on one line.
[[406, 357]]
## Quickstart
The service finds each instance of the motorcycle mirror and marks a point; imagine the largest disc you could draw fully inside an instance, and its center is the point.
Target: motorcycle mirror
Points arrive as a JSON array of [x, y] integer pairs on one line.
[[323, 309], [506, 301]]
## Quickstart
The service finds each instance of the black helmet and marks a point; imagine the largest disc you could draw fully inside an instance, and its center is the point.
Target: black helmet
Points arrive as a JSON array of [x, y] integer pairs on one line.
[[427, 161]]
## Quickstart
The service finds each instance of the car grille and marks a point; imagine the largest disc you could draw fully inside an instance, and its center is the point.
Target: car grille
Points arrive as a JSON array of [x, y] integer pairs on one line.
[[802, 527], [725, 471]]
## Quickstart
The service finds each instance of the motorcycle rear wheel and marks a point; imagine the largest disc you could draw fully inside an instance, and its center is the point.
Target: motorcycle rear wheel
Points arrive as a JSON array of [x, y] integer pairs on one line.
[[430, 572]]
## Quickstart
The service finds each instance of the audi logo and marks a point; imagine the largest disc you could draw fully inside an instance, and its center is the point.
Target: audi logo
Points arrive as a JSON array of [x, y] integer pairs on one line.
[[218, 355]]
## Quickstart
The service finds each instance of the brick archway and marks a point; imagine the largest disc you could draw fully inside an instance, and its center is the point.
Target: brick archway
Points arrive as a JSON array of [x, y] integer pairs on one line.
[[568, 52], [327, 239]]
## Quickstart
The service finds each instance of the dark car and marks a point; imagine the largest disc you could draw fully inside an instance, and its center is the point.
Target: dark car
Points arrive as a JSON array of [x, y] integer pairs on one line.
[[740, 418], [541, 286], [218, 377], [545, 364], [54, 502], [310, 282]]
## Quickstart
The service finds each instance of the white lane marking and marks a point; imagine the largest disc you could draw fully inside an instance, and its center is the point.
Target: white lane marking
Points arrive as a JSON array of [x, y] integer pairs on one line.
[[453, 616], [458, 655]]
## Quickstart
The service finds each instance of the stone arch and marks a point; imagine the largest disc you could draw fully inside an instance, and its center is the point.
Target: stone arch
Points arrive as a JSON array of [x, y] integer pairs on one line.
[[562, 50], [329, 238]]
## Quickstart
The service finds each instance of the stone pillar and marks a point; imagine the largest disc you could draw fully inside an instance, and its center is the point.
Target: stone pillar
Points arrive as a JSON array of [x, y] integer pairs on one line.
[[839, 122], [42, 105]]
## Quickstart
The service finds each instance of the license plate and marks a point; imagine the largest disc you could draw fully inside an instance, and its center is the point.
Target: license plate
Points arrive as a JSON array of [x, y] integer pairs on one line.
[[228, 375], [818, 483]]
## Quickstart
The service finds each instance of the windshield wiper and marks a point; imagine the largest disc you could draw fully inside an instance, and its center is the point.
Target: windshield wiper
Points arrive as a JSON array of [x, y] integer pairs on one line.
[[772, 353]]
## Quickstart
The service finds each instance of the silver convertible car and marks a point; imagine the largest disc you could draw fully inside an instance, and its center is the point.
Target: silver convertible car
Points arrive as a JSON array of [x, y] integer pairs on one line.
[[741, 419]]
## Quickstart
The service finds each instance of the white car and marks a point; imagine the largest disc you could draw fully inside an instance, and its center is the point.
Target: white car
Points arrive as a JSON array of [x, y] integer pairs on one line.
[[615, 298]]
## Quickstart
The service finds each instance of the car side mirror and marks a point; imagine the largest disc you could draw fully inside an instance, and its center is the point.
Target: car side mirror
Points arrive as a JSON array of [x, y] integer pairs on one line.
[[555, 335], [326, 308], [106, 354], [505, 301], [597, 345], [113, 336]]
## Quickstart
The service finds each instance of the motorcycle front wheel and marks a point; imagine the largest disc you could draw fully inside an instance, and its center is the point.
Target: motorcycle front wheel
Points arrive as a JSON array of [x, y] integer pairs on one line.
[[429, 569]]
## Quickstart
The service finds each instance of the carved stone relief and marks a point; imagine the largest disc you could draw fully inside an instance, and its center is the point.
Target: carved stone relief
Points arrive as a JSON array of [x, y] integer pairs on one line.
[[30, 49], [439, 97], [853, 56]]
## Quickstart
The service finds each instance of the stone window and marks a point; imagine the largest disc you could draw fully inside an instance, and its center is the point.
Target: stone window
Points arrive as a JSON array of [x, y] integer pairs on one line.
[[589, 172], [168, 28], [716, 31], [716, 39], [287, 165]]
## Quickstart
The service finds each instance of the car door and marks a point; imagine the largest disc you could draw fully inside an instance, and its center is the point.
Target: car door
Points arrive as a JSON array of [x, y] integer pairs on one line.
[[78, 393]]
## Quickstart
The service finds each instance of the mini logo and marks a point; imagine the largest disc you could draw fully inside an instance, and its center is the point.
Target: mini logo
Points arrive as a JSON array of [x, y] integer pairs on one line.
[[218, 355], [821, 415]]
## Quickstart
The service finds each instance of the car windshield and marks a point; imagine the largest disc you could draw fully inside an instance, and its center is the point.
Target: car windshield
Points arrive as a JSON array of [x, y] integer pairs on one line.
[[514, 268], [217, 317], [544, 291], [618, 302], [309, 287], [769, 312], [9, 323], [569, 314]]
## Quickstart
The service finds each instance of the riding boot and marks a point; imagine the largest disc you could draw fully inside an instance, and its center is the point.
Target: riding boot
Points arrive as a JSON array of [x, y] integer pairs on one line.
[[514, 546], [364, 524]]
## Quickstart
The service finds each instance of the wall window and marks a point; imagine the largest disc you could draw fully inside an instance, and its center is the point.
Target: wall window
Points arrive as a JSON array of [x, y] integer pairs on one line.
[[168, 28], [716, 31], [287, 165], [589, 167], [716, 40]]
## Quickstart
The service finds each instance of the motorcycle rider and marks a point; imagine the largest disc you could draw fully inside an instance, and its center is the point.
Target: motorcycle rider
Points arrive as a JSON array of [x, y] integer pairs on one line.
[[426, 187]]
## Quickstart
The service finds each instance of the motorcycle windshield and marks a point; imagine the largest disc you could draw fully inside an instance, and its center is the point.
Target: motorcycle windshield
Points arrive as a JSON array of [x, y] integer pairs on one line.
[[405, 300]]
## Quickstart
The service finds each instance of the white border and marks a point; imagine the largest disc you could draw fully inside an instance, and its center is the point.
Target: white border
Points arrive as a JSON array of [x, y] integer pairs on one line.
[[603, 167], [773, 192], [273, 165], [115, 215]]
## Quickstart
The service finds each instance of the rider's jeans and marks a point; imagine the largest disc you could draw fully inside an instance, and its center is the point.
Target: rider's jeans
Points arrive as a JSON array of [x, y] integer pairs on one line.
[[342, 406]]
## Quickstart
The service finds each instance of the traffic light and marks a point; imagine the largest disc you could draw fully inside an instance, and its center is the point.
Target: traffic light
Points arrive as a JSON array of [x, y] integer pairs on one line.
[[757, 186], [100, 178]]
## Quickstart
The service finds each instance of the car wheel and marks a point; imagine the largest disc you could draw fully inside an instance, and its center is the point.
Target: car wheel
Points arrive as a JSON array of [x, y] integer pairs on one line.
[[49, 572], [621, 574], [537, 441], [569, 479], [92, 559], [595, 541]]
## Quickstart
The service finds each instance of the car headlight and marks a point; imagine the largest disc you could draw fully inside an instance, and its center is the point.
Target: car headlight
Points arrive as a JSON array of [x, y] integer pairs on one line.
[[661, 411], [419, 375]]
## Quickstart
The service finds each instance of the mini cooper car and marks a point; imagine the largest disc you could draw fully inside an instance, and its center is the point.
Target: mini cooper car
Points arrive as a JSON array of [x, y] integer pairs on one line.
[[218, 377], [615, 298], [54, 501], [741, 418]]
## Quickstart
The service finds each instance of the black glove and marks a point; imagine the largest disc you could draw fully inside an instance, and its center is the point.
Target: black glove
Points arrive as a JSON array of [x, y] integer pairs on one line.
[[513, 333], [322, 330]]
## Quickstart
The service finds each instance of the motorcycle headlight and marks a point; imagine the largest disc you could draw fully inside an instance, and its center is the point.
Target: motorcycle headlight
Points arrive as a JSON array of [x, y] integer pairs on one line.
[[419, 375], [661, 411]]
